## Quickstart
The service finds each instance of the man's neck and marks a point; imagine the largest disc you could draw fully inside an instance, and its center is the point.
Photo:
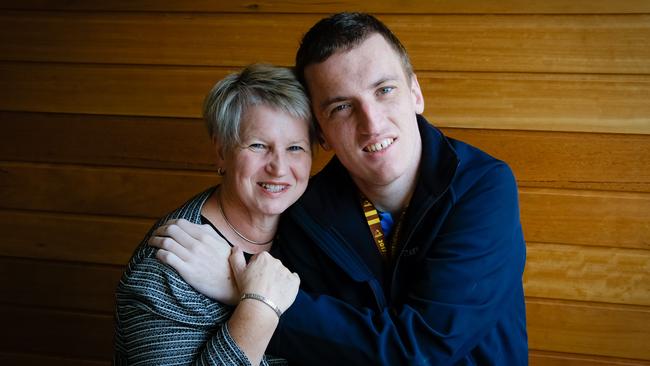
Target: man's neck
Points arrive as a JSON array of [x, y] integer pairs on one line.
[[393, 197]]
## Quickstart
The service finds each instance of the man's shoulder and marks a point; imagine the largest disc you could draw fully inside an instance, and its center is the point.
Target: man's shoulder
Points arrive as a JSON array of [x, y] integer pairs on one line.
[[478, 169], [455, 164]]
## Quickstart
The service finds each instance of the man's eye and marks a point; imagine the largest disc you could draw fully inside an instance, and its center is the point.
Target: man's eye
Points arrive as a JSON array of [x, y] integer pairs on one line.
[[339, 108], [386, 89], [296, 148]]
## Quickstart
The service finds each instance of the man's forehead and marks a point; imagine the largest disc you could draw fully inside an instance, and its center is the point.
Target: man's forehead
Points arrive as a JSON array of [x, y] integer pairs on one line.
[[371, 60]]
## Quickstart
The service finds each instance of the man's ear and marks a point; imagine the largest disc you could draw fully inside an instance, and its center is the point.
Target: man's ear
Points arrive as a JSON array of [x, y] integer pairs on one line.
[[323, 143], [416, 92]]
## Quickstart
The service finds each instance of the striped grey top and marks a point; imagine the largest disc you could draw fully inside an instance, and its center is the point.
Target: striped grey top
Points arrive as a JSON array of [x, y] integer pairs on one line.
[[161, 320]]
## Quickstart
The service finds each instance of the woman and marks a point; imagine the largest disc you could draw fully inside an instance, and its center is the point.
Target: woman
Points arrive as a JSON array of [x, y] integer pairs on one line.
[[259, 122]]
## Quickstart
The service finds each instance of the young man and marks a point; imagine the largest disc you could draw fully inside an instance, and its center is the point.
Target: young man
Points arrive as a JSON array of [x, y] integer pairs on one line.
[[408, 243]]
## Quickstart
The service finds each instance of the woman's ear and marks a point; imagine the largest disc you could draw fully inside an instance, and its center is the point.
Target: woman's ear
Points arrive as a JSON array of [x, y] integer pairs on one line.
[[219, 153]]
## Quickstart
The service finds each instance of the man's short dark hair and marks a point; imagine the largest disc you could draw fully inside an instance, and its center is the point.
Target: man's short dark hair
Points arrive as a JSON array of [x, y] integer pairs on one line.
[[342, 32]]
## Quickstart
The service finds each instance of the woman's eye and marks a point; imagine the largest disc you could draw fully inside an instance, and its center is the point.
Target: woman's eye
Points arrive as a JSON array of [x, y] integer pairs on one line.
[[256, 146], [296, 148]]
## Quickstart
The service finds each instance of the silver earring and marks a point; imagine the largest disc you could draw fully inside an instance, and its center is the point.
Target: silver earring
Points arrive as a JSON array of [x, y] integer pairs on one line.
[[221, 172]]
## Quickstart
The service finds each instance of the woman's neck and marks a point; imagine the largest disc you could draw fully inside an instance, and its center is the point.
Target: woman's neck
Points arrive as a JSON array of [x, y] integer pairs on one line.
[[240, 226]]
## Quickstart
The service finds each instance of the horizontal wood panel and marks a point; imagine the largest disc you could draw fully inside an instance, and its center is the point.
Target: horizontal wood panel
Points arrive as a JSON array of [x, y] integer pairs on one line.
[[513, 43], [117, 90], [567, 160], [553, 326], [25, 359], [542, 358], [592, 103], [377, 6], [588, 328], [538, 159], [152, 39], [613, 219], [172, 143], [548, 215], [93, 239], [101, 191], [565, 272], [56, 333], [66, 286], [569, 272]]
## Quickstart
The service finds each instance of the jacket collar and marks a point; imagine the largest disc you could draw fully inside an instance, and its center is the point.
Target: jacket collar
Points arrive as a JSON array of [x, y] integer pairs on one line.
[[332, 205], [439, 160], [437, 170]]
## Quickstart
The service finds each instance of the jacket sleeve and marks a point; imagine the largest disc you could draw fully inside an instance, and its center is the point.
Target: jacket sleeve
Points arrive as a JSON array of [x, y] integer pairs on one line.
[[464, 285], [161, 320]]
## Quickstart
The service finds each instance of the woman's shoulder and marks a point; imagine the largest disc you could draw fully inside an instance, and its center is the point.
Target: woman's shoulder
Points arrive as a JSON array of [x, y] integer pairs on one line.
[[190, 211], [150, 284], [157, 288]]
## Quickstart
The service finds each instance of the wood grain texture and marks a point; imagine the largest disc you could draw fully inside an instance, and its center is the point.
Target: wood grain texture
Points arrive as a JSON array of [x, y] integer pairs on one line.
[[541, 358], [538, 158], [588, 328], [109, 89], [555, 326], [59, 285], [378, 6], [168, 143], [512, 43], [65, 334], [30, 359], [128, 141], [100, 109], [549, 102], [607, 275], [567, 160], [591, 103], [76, 238], [615, 219], [146, 193]]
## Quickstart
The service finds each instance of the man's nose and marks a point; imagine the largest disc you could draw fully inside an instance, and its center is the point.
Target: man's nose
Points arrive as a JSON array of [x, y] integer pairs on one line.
[[370, 118]]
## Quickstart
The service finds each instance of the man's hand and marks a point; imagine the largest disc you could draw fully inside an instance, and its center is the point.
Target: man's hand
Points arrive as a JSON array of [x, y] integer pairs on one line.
[[199, 255]]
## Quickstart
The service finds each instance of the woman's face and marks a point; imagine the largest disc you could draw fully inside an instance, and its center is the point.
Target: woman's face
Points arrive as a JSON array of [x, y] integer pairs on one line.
[[270, 170]]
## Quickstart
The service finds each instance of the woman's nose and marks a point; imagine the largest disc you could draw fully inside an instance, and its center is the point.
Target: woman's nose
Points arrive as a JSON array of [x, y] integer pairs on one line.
[[277, 164]]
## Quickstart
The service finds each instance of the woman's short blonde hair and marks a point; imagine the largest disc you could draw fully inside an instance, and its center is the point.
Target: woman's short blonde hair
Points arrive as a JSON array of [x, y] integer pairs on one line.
[[256, 84]]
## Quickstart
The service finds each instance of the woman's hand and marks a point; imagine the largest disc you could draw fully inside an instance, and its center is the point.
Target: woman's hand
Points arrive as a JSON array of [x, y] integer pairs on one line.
[[199, 255], [266, 276]]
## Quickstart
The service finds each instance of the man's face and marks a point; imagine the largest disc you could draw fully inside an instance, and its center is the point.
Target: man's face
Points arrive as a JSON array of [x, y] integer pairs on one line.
[[366, 107]]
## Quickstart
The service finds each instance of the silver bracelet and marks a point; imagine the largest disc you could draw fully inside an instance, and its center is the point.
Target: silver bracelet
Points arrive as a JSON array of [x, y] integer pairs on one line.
[[263, 299]]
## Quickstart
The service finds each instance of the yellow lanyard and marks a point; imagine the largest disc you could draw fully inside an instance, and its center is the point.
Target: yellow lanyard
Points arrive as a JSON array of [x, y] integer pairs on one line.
[[374, 223]]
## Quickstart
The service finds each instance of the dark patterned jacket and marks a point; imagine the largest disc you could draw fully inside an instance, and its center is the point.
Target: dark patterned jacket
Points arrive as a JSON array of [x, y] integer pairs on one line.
[[162, 320]]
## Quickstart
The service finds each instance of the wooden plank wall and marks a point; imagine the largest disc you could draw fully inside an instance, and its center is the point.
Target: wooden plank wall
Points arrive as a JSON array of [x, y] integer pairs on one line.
[[99, 105]]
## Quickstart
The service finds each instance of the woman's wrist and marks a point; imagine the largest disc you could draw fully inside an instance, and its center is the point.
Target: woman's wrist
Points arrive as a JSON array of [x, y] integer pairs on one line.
[[251, 326], [263, 299]]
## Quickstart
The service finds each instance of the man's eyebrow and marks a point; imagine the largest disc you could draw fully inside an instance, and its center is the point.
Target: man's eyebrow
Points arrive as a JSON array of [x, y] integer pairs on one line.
[[329, 101], [383, 80], [333, 100]]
